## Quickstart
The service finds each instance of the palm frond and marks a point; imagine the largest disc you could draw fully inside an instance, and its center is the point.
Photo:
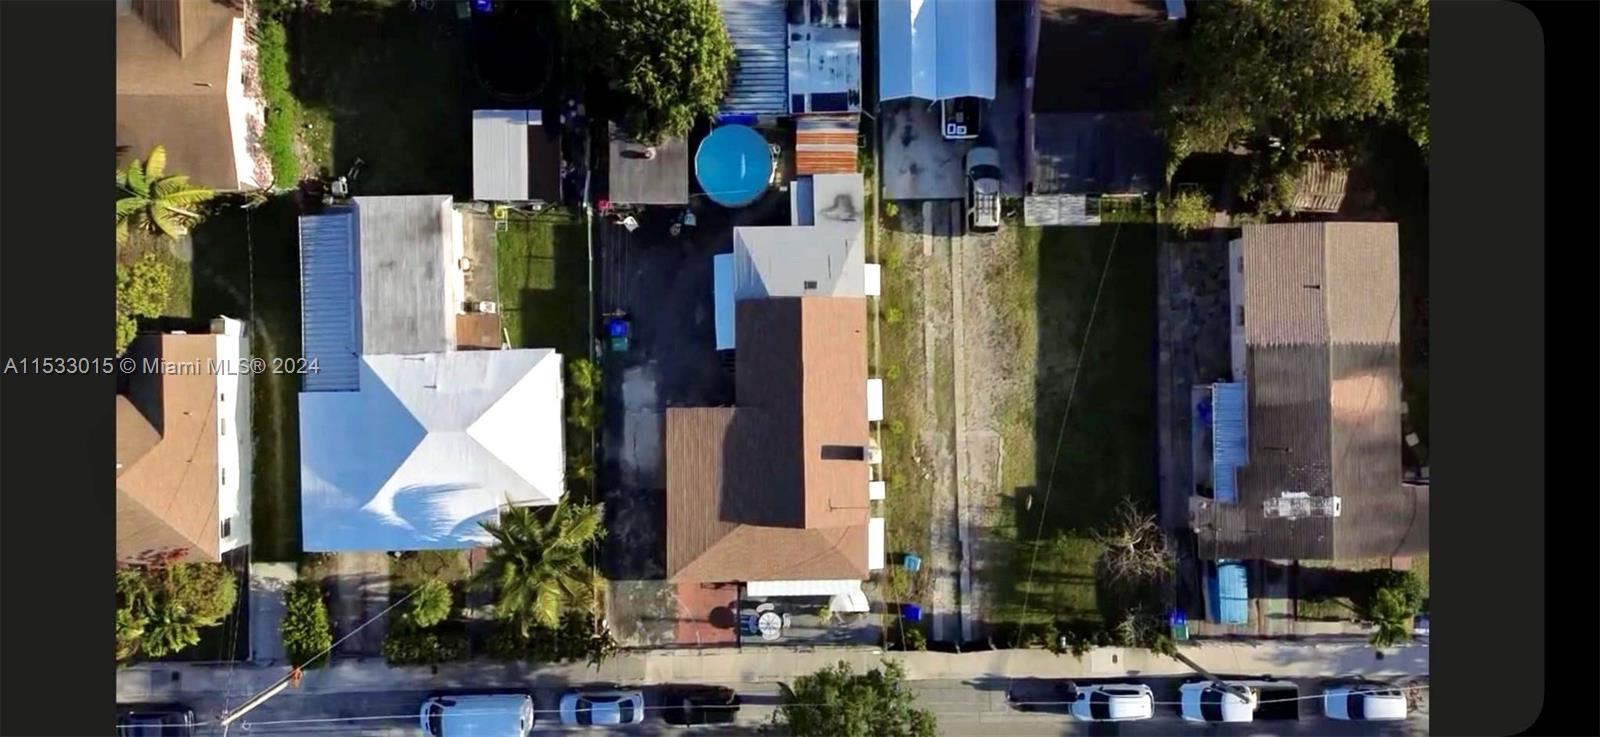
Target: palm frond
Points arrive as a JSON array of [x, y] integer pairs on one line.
[[127, 206], [168, 222], [155, 163], [122, 232], [134, 180]]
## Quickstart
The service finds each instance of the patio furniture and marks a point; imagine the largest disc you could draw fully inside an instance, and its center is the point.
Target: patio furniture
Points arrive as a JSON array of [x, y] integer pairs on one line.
[[770, 625]]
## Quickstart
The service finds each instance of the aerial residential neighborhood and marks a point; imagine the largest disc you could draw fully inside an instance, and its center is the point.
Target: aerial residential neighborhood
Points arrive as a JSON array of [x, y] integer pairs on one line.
[[892, 367]]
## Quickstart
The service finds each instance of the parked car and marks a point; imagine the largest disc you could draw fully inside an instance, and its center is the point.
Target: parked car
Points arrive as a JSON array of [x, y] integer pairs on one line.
[[1113, 702], [983, 189], [1209, 701], [1364, 703], [472, 715], [688, 706], [155, 720], [601, 708]]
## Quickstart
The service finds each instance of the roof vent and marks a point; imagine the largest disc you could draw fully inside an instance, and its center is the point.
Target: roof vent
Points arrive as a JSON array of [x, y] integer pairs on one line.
[[810, 285], [1299, 505]]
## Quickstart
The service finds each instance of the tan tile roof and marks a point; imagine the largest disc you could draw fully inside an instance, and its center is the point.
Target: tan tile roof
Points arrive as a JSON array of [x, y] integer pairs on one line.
[[177, 100], [766, 475], [1316, 283], [167, 490]]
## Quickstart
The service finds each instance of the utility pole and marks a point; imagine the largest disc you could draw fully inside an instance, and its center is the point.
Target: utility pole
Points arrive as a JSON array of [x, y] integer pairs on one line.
[[1239, 691], [232, 715]]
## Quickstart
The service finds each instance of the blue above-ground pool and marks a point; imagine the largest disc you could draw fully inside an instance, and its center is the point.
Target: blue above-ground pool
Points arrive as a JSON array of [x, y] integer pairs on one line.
[[733, 165]]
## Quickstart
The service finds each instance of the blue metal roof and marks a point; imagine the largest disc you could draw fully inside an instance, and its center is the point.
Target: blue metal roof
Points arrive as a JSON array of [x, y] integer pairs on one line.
[[330, 319], [1229, 438], [759, 33], [1230, 593]]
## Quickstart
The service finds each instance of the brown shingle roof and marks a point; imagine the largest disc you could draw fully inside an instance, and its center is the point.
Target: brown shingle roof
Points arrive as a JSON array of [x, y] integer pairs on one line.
[[167, 490], [1323, 366], [177, 100], [768, 475]]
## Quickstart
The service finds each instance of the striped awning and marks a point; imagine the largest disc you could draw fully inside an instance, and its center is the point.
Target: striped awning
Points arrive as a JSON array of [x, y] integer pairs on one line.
[[825, 144]]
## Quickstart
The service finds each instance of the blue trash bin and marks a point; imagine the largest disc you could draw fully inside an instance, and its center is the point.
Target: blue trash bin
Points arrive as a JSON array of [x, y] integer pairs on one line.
[[911, 612], [912, 563]]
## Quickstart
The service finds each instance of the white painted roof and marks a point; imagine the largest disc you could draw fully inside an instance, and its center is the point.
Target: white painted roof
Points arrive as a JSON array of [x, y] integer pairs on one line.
[[875, 544], [822, 587], [876, 490], [874, 280], [428, 448], [874, 400]]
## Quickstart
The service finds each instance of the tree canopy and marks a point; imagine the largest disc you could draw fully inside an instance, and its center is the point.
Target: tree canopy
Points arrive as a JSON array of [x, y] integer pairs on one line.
[[837, 702], [162, 605], [537, 566], [150, 198], [1251, 71], [666, 62]]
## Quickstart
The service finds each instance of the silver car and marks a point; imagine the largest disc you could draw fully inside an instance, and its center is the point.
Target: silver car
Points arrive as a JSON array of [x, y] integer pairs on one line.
[[601, 708], [983, 189]]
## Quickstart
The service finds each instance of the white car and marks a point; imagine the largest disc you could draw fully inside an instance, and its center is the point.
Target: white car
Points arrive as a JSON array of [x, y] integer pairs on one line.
[[478, 714], [1364, 703], [601, 708], [1205, 701], [1113, 702]]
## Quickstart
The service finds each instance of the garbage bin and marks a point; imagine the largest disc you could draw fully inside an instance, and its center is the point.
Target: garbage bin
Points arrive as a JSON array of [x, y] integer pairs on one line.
[[911, 612], [912, 563]]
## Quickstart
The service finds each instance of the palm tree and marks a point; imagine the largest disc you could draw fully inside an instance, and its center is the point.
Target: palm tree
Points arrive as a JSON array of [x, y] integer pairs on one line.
[[537, 564], [1391, 618], [156, 201]]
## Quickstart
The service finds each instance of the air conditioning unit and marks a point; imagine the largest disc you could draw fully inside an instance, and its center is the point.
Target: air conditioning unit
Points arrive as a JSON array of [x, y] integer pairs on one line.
[[1299, 505], [487, 308]]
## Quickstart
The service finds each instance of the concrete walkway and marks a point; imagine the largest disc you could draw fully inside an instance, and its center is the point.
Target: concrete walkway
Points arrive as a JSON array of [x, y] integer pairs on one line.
[[267, 582], [162, 682]]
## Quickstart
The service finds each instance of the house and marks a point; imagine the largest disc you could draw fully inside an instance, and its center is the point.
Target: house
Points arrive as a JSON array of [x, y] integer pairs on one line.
[[936, 49], [821, 253], [1306, 436], [793, 58], [183, 444], [181, 84], [774, 491], [408, 442], [515, 157]]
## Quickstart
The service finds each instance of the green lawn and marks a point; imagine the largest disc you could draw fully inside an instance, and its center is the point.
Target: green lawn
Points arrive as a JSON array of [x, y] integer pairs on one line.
[[231, 249], [907, 505], [1070, 468], [391, 86], [542, 263]]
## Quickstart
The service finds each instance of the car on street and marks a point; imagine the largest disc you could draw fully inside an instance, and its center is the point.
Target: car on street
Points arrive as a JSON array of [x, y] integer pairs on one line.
[[472, 715], [983, 189], [689, 706], [1213, 701], [1113, 702], [606, 708], [155, 720], [1364, 703]]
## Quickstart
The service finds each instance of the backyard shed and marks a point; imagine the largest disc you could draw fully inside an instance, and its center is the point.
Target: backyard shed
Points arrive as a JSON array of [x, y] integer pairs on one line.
[[825, 144], [936, 49], [515, 157], [635, 177], [757, 30], [1229, 593]]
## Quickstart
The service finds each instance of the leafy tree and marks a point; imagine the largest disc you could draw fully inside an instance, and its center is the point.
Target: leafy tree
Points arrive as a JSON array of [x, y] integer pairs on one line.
[[1188, 210], [430, 605], [162, 605], [1391, 615], [305, 628], [1278, 75], [837, 702], [152, 199], [537, 565], [666, 62], [142, 289]]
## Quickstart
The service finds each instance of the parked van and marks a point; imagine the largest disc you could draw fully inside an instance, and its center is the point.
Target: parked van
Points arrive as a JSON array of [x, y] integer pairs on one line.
[[478, 715]]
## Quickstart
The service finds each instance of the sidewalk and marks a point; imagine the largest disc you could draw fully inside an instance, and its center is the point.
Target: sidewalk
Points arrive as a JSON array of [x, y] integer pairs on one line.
[[160, 682]]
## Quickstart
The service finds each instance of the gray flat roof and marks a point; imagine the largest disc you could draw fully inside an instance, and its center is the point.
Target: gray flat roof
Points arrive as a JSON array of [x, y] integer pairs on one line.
[[404, 248], [635, 180], [500, 155]]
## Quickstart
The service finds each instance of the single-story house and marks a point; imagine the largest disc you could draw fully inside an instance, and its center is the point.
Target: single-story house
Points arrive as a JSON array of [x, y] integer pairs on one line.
[[822, 253], [515, 157], [1306, 437], [408, 443], [774, 491], [936, 49], [180, 84], [183, 444]]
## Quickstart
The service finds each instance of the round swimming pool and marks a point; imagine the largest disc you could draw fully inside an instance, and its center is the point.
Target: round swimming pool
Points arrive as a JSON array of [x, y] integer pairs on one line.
[[733, 165]]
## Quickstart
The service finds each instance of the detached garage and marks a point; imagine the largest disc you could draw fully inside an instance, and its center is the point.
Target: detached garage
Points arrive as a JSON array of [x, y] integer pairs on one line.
[[515, 157]]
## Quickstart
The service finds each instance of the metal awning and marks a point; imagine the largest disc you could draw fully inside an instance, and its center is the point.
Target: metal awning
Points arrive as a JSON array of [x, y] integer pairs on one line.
[[936, 49]]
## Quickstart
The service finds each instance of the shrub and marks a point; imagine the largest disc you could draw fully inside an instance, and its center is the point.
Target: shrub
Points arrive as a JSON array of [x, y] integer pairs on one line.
[[142, 289], [891, 209], [1188, 211], [430, 605], [578, 637], [892, 373], [895, 427], [283, 110], [407, 646], [893, 316], [305, 628], [1405, 584]]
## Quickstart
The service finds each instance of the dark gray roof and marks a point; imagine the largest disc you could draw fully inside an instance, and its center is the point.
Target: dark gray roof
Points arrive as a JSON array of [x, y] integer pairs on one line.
[[1323, 373], [404, 247], [759, 34], [1096, 153], [635, 180]]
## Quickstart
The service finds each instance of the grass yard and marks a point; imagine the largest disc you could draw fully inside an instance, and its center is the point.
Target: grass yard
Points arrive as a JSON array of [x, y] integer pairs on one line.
[[391, 86], [231, 249], [1069, 469], [542, 263], [907, 505]]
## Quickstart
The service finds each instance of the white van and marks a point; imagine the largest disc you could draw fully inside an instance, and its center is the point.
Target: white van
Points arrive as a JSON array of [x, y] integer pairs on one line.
[[1364, 703], [478, 715]]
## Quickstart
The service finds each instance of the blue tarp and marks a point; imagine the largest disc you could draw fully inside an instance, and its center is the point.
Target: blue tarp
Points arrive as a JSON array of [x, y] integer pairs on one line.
[[1230, 593], [1229, 434]]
